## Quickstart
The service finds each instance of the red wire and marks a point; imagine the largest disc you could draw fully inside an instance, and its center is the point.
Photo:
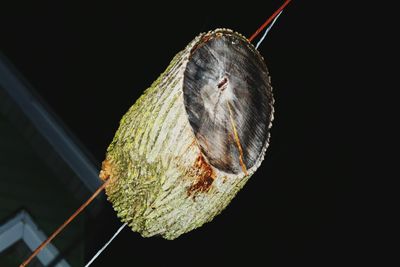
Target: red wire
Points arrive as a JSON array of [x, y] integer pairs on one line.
[[59, 229], [269, 20], [38, 249]]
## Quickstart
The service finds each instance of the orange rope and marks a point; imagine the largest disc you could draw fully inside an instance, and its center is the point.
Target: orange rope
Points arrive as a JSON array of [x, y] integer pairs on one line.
[[95, 194], [269, 20], [59, 229]]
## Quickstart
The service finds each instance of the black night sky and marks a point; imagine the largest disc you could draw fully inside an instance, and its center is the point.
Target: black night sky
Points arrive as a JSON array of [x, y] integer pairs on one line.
[[91, 61]]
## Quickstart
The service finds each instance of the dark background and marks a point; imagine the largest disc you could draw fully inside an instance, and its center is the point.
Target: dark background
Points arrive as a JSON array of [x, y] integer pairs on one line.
[[91, 61]]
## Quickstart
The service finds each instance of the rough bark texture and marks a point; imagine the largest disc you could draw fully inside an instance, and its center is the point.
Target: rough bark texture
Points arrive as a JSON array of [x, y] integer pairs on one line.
[[170, 172]]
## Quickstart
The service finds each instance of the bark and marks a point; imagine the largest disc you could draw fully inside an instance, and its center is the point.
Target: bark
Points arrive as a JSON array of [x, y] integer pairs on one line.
[[193, 139]]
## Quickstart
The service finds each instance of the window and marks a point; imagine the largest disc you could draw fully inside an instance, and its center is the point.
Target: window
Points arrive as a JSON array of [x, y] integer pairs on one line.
[[19, 236]]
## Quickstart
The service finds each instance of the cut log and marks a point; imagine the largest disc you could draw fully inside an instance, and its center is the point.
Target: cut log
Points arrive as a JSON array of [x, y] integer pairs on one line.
[[193, 139]]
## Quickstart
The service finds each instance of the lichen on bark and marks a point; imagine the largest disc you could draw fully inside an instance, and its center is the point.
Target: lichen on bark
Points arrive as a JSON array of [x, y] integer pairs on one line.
[[165, 177]]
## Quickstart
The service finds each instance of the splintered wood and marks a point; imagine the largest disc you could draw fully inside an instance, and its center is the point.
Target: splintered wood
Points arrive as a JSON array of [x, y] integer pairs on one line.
[[193, 139]]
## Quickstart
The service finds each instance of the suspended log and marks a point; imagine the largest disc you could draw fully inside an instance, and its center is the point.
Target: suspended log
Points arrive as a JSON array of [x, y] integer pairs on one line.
[[193, 139]]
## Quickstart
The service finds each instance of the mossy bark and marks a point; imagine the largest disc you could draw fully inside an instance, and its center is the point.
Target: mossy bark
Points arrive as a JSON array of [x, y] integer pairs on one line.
[[162, 182]]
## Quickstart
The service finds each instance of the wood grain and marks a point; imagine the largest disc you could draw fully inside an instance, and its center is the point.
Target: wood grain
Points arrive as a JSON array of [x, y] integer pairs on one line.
[[227, 89], [174, 163]]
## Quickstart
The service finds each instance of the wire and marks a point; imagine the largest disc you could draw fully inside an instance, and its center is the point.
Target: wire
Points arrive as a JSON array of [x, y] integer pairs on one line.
[[59, 229], [269, 20], [104, 247], [272, 18], [267, 30]]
